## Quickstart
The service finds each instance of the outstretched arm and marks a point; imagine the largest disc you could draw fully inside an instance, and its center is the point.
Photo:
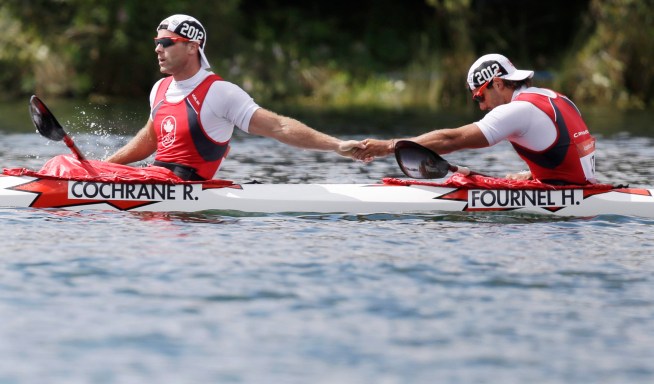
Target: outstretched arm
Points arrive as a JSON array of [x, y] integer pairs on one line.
[[440, 141], [140, 147], [453, 139], [292, 132]]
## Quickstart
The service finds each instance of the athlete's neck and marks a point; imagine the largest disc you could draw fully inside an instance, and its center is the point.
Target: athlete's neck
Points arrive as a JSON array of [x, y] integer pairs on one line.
[[192, 80]]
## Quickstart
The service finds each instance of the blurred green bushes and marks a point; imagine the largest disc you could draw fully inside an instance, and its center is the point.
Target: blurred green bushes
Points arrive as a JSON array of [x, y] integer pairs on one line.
[[338, 54]]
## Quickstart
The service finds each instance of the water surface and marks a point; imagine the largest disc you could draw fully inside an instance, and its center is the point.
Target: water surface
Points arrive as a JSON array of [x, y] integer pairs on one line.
[[118, 297]]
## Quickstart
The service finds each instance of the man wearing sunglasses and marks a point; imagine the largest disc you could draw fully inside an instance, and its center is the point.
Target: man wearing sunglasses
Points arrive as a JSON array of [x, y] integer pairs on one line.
[[545, 128], [193, 111]]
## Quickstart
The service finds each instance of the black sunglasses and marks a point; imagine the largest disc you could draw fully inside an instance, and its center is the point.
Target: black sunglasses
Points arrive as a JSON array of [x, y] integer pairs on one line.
[[168, 41]]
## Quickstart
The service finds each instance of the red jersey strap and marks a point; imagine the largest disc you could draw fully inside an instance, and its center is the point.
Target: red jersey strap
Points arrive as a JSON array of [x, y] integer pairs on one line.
[[196, 97], [161, 92]]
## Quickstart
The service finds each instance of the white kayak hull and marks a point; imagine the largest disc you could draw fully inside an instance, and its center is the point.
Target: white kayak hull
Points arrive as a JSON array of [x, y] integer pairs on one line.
[[23, 191]]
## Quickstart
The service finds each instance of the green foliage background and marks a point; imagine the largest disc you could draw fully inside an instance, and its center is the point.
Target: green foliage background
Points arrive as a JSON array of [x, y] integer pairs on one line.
[[369, 53]]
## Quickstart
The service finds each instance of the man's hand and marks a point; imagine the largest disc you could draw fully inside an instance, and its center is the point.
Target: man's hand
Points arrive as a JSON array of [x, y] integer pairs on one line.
[[520, 176], [374, 148], [348, 148]]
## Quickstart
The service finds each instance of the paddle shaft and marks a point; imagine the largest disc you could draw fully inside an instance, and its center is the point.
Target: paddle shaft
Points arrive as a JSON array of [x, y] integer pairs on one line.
[[71, 144], [465, 171]]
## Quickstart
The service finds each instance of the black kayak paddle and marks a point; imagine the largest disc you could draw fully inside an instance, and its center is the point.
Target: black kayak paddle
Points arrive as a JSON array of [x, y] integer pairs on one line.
[[49, 127], [419, 162]]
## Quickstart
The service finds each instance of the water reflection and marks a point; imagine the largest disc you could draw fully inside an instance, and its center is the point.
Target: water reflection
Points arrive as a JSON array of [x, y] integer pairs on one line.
[[186, 217]]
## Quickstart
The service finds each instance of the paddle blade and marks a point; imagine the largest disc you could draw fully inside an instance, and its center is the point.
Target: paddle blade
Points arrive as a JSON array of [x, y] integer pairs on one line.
[[44, 120], [419, 162]]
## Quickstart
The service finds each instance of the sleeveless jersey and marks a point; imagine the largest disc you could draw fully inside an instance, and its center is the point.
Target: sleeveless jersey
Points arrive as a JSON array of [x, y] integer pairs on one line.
[[571, 158], [181, 139]]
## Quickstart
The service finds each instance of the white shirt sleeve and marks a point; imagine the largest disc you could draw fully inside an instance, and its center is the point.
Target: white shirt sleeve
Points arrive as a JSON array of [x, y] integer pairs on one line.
[[520, 122], [225, 106]]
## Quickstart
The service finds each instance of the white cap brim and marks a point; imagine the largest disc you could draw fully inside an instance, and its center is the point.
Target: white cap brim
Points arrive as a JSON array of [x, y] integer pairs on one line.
[[518, 74], [204, 63]]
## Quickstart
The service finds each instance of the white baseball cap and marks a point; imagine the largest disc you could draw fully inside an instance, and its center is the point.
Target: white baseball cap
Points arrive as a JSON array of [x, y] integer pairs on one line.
[[190, 28], [494, 65]]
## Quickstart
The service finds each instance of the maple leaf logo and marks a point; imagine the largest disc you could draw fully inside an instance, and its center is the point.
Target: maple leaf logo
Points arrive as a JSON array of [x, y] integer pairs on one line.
[[168, 128]]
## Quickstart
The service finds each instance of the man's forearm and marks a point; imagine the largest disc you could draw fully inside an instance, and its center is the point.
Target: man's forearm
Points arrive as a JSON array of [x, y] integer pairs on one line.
[[294, 132], [140, 147]]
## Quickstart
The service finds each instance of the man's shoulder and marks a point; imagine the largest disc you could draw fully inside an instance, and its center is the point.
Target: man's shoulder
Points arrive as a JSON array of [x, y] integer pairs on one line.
[[156, 85], [514, 105], [224, 87], [516, 110], [527, 92]]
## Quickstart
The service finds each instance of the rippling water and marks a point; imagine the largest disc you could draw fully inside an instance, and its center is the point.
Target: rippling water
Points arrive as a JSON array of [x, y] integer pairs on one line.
[[112, 297]]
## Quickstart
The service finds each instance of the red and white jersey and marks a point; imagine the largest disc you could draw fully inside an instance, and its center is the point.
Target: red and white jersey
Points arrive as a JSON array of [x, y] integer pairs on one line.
[[194, 119], [548, 132]]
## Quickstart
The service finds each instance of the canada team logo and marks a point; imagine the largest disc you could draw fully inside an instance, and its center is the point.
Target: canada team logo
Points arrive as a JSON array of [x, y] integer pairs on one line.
[[168, 129]]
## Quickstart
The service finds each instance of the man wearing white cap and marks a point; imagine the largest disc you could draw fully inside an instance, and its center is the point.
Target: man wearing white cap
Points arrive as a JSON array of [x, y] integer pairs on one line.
[[545, 128], [193, 111]]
